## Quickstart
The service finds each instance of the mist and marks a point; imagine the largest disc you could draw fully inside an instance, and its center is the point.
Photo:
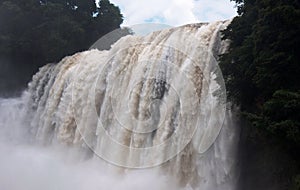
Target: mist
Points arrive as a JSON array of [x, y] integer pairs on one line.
[[35, 168], [27, 166]]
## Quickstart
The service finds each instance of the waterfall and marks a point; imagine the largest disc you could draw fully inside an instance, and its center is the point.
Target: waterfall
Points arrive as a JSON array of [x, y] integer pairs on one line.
[[154, 101]]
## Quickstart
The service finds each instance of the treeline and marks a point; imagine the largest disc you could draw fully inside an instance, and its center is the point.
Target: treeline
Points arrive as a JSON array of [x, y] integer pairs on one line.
[[262, 71], [36, 32]]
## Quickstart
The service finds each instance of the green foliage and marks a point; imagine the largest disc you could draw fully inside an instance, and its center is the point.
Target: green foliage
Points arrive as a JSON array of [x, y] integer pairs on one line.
[[262, 71], [33, 32], [280, 116], [261, 68]]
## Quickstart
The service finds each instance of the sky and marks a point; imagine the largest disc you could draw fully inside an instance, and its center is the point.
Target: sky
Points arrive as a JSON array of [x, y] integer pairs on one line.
[[174, 12]]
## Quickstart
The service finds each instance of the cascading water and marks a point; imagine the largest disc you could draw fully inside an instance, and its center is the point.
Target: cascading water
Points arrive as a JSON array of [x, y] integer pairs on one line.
[[154, 100]]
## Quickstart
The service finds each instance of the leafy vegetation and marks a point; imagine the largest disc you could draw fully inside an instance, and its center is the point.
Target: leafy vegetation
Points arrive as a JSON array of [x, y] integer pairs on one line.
[[34, 32], [262, 70]]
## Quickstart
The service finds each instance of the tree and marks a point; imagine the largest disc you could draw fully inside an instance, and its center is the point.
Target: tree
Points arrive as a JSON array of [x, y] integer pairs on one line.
[[262, 61], [262, 70], [34, 33]]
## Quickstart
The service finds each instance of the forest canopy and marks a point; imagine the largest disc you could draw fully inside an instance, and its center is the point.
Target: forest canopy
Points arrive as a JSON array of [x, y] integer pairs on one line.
[[261, 67], [262, 71], [34, 33]]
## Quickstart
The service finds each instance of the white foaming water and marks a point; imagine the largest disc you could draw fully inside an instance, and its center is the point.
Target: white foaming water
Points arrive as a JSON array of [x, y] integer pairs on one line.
[[149, 101]]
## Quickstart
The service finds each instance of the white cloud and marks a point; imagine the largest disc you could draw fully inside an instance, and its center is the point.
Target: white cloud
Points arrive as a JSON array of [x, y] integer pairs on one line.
[[174, 12], [208, 10]]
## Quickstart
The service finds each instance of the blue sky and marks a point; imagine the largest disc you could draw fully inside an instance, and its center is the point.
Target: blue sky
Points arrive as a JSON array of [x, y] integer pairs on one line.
[[174, 12]]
